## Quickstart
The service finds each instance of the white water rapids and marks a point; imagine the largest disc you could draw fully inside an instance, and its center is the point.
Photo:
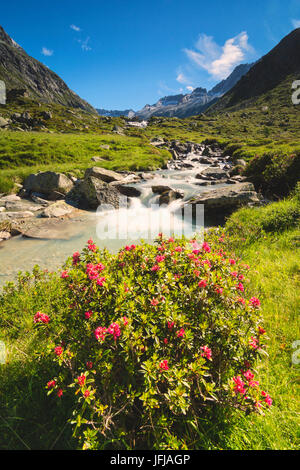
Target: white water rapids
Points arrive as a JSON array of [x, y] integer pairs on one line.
[[133, 224]]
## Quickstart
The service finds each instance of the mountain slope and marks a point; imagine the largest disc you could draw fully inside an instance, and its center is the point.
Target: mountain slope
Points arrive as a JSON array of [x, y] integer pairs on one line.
[[21, 72], [193, 103], [269, 72]]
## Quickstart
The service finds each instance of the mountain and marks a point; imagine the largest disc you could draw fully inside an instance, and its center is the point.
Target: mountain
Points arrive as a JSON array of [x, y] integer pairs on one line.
[[23, 74], [193, 103], [266, 74], [115, 113]]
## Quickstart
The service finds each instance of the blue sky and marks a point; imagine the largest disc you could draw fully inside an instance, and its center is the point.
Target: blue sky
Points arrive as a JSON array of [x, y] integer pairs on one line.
[[120, 54]]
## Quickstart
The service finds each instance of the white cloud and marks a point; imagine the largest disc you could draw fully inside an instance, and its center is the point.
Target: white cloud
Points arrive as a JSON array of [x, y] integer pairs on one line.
[[296, 23], [47, 52], [75, 28], [190, 88], [181, 78], [216, 60]]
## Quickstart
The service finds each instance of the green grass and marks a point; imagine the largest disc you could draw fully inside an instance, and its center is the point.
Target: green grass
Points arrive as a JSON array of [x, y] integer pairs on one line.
[[268, 239], [24, 153]]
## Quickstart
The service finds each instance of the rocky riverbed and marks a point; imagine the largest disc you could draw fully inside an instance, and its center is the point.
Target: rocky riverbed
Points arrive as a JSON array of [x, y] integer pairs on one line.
[[51, 206]]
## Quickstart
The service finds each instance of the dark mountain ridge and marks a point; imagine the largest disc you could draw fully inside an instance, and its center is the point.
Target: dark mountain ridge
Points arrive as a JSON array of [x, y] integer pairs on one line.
[[20, 72]]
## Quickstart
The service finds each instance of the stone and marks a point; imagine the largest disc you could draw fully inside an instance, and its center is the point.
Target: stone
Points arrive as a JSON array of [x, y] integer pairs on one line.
[[170, 196], [92, 192], [129, 191], [48, 183], [103, 174], [15, 215], [9, 198], [213, 173], [227, 199], [5, 235], [56, 210], [3, 122], [160, 189], [17, 206]]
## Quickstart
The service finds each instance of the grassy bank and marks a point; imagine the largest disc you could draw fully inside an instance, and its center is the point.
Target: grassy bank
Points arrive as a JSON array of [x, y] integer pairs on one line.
[[24, 153]]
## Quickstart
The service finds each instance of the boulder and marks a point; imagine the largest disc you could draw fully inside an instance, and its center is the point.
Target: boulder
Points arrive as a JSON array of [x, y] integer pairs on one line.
[[103, 174], [92, 192], [125, 190], [3, 122], [17, 206], [15, 215], [48, 183], [9, 198], [170, 196], [56, 210], [212, 173], [160, 189], [227, 199], [5, 235]]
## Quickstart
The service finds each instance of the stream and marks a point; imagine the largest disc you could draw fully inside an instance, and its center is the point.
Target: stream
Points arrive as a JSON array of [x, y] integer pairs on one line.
[[22, 254]]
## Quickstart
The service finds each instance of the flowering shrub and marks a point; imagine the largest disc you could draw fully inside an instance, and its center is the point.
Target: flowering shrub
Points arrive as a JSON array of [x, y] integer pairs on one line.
[[153, 339]]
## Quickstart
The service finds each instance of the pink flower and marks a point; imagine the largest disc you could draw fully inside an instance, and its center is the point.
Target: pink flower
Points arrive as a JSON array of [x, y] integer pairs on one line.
[[171, 325], [239, 385], [100, 281], [89, 364], [92, 246], [206, 352], [60, 392], [254, 302], [125, 321], [202, 283], [241, 300], [76, 258], [178, 249], [130, 248], [268, 400], [88, 314], [155, 268], [254, 342], [100, 333], [171, 240], [160, 258], [51, 384], [58, 350], [261, 331], [114, 330], [180, 333], [164, 365], [240, 287], [86, 394], [248, 375], [40, 317], [154, 302], [232, 262], [166, 341], [206, 247], [64, 275], [81, 380], [234, 274], [219, 290]]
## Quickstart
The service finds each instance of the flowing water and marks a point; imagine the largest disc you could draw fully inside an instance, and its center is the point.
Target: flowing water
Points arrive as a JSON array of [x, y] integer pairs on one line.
[[111, 229]]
